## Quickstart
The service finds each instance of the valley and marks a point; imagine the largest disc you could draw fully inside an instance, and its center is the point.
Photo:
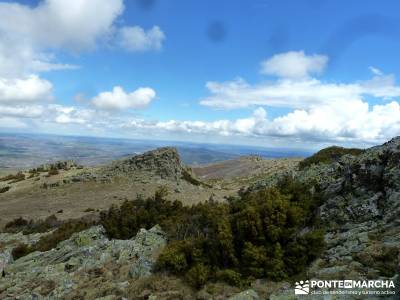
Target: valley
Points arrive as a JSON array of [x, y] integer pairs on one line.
[[332, 215]]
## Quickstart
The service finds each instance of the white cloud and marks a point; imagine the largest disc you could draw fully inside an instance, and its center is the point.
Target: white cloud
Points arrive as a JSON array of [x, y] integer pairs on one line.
[[281, 93], [375, 71], [339, 122], [27, 90], [301, 93], [320, 110], [21, 111], [29, 35], [294, 65], [72, 24], [137, 39], [118, 99]]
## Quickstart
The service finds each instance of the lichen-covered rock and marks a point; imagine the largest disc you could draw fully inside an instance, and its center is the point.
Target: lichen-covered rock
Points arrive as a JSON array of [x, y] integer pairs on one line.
[[54, 274], [8, 241], [164, 162], [360, 212]]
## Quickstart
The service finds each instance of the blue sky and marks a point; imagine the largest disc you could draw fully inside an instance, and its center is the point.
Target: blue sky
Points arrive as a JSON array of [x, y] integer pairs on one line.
[[261, 72]]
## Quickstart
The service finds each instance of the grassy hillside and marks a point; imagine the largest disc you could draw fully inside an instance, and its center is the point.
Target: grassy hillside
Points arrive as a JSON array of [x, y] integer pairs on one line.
[[329, 155]]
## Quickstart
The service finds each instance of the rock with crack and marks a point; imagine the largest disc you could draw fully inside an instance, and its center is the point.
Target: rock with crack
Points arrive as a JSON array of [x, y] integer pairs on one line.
[[55, 273]]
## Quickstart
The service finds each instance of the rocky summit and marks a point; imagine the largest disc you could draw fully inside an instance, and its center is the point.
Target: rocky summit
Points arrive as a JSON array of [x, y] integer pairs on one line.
[[164, 162], [361, 213]]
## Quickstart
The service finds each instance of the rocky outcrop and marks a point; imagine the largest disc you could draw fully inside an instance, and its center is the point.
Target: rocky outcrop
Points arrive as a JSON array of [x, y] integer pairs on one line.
[[85, 257], [360, 215], [164, 162], [360, 212]]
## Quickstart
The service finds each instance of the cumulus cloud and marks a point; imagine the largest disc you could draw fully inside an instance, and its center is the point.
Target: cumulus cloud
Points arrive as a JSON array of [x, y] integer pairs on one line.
[[30, 37], [320, 110], [27, 90], [297, 91], [354, 123], [28, 34], [294, 65], [118, 99], [282, 93], [73, 24], [137, 39], [22, 111]]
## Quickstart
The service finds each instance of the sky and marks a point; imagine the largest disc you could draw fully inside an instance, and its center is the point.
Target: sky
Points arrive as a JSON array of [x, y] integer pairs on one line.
[[276, 73]]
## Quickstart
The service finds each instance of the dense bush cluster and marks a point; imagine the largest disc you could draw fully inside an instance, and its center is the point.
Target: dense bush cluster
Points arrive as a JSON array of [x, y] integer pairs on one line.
[[329, 155], [254, 236]]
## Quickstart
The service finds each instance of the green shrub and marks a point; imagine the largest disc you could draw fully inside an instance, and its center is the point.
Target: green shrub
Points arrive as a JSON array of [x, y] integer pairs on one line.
[[13, 178], [230, 277], [329, 155], [253, 236], [4, 189], [89, 209], [173, 258], [40, 226], [52, 172], [50, 241], [62, 233], [198, 275], [20, 251], [16, 223]]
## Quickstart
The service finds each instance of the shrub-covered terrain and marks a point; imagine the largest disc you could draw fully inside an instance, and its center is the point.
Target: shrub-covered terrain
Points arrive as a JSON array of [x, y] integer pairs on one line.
[[61, 231], [328, 155], [256, 235]]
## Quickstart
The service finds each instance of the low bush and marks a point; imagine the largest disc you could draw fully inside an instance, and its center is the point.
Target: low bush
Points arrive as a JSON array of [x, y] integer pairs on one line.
[[17, 223], [50, 241], [230, 277], [329, 155], [20, 251], [4, 189], [32, 226], [253, 236], [13, 178], [52, 172], [62, 233], [89, 209]]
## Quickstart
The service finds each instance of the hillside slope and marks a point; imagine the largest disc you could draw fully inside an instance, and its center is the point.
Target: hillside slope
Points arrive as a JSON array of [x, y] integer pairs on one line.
[[71, 191], [360, 212], [354, 207]]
